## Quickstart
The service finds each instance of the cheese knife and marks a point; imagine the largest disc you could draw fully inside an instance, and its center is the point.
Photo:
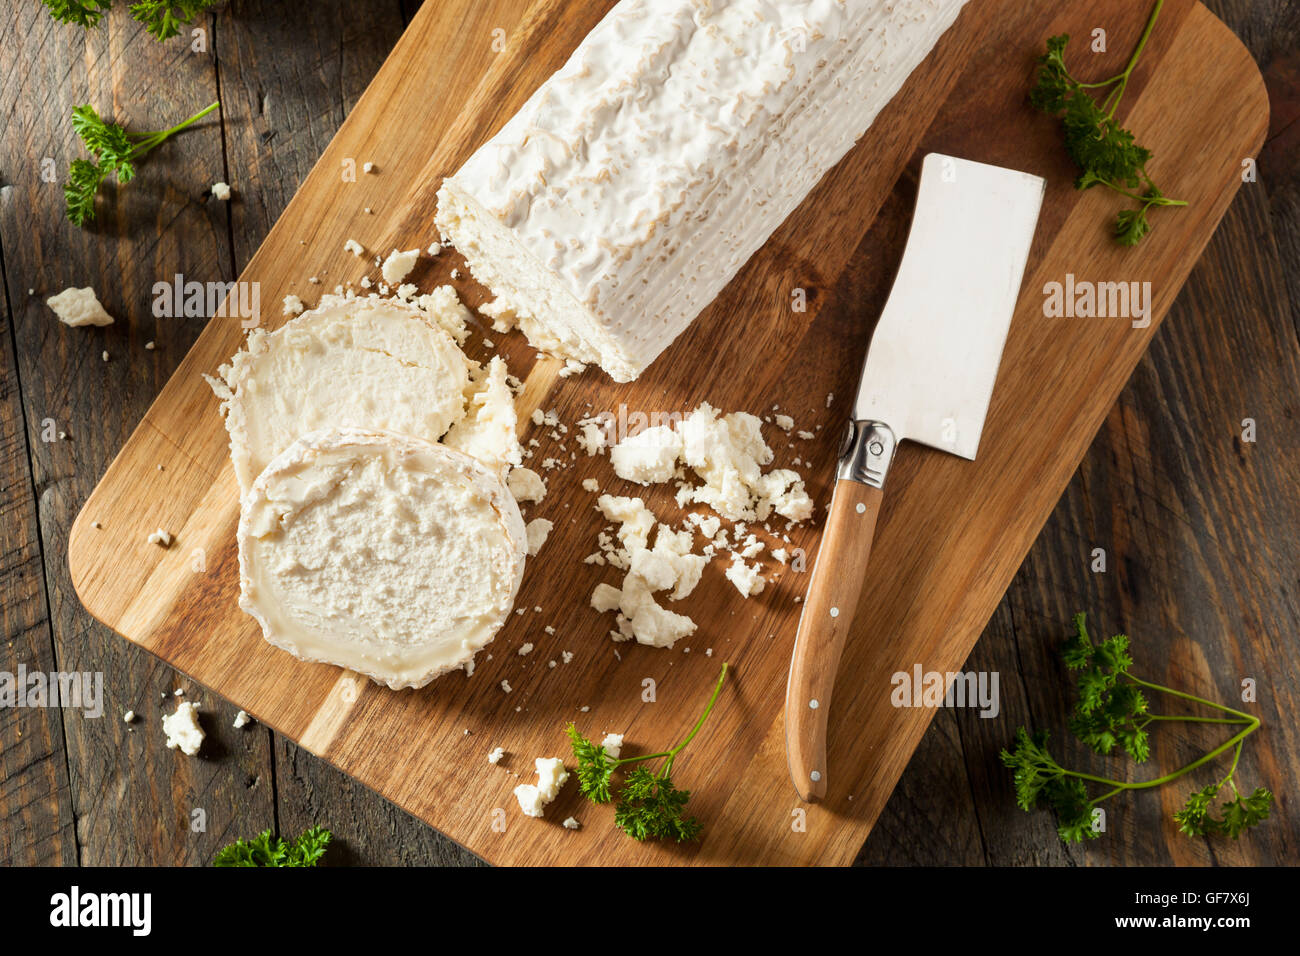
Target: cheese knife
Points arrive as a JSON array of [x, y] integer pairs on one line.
[[928, 378]]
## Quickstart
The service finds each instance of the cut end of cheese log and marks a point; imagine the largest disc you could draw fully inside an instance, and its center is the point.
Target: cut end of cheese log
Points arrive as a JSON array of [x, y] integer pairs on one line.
[[365, 362], [388, 555], [639, 178]]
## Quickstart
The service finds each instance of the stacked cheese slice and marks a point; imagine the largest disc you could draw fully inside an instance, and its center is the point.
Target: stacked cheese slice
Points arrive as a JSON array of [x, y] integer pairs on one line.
[[641, 176], [376, 529]]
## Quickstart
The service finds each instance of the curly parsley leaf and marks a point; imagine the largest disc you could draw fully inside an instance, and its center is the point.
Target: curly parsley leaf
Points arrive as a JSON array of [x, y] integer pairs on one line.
[[651, 808], [267, 850], [164, 19], [649, 805], [1106, 153], [114, 151], [1112, 711], [82, 13]]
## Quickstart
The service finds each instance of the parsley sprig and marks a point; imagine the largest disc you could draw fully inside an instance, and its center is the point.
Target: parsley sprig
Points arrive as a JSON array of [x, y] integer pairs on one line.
[[163, 19], [1112, 711], [1105, 152], [649, 806], [113, 151], [267, 850]]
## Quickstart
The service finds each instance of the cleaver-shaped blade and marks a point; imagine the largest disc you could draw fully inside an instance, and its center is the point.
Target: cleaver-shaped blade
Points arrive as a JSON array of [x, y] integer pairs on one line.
[[934, 355], [928, 377]]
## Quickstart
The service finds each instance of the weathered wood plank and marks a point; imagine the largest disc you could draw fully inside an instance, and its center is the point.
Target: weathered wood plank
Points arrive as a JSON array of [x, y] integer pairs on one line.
[[133, 799], [1151, 492]]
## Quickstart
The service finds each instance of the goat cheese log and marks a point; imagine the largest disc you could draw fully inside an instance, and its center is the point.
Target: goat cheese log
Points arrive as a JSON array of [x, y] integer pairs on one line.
[[638, 179], [391, 556]]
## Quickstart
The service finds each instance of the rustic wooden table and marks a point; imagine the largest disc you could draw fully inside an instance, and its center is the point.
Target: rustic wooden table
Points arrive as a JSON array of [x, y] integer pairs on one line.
[[1201, 529]]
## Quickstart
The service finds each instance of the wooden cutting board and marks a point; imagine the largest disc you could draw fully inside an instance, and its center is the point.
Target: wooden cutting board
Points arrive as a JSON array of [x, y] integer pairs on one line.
[[948, 544]]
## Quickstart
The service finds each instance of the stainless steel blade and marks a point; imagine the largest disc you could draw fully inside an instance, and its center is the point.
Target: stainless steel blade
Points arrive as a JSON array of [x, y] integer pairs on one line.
[[935, 352]]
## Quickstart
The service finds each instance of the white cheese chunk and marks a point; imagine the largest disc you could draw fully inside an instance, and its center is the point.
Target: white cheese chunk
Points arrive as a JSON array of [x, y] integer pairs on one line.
[[398, 265], [537, 532], [526, 484], [78, 307], [612, 745], [221, 191], [487, 430], [551, 776], [638, 179], [183, 730], [648, 456], [381, 553]]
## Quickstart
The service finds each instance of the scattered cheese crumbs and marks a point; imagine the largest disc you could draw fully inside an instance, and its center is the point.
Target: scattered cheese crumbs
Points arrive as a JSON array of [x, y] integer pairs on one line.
[[354, 247], [221, 191], [407, 290], [398, 265], [548, 629], [365, 282], [368, 167], [497, 755], [830, 399], [780, 554], [455, 273], [369, 211], [591, 436], [526, 484], [590, 484], [806, 435], [160, 538], [566, 656], [242, 720], [78, 307], [96, 525], [128, 717], [650, 456], [314, 280], [505, 686], [525, 650], [149, 346], [612, 745], [551, 776], [747, 579], [183, 730], [292, 305], [572, 367], [571, 823], [435, 249], [104, 355], [784, 422], [537, 531]]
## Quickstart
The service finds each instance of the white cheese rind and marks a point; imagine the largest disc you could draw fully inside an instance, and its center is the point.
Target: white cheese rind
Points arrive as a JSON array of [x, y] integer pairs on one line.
[[390, 556], [638, 179]]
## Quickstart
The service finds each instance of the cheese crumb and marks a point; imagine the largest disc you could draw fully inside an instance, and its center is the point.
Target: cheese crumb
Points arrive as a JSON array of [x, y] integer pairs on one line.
[[551, 776], [525, 650], [785, 423], [221, 191], [367, 167], [537, 531], [526, 484], [128, 717], [78, 307], [497, 755], [160, 538], [183, 730], [590, 484], [354, 247], [571, 823], [292, 305], [242, 720], [398, 265]]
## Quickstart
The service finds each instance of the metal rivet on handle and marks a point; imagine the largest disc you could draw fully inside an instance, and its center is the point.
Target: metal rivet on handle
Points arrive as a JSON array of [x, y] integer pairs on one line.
[[835, 612], [812, 704], [815, 775], [861, 507]]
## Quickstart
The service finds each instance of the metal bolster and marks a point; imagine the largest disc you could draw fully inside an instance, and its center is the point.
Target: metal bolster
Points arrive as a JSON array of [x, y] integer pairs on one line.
[[866, 453]]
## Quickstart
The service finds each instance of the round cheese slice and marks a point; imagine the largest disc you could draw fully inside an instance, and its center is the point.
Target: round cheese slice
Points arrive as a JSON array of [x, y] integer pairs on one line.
[[385, 554], [361, 362]]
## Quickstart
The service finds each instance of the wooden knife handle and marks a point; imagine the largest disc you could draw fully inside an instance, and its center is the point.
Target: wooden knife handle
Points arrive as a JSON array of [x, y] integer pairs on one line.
[[827, 615]]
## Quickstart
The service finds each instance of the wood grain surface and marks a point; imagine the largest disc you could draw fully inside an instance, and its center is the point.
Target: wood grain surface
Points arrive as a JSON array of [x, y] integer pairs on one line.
[[1240, 299]]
